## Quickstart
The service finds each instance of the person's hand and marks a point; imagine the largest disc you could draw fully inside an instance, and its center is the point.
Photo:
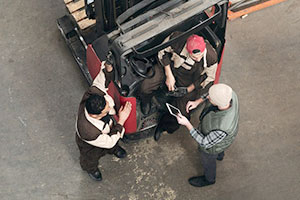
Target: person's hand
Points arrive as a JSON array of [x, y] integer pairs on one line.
[[122, 133], [124, 112], [178, 92], [170, 82], [191, 105], [184, 121], [108, 66], [110, 61], [181, 91]]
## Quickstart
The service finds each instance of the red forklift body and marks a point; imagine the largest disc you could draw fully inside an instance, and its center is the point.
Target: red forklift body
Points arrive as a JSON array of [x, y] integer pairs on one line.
[[130, 124], [92, 61]]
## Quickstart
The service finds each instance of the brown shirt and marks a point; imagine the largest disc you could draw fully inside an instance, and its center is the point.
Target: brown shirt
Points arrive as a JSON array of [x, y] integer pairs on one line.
[[183, 76], [89, 132]]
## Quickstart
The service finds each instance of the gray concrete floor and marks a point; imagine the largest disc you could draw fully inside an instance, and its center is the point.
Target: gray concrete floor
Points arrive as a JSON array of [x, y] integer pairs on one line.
[[42, 86]]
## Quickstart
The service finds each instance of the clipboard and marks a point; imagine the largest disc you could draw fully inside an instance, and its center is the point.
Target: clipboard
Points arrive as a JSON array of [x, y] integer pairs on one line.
[[173, 110]]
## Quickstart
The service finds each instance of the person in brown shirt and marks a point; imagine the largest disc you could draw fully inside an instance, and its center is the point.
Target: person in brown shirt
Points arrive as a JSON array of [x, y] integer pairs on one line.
[[97, 133], [189, 69]]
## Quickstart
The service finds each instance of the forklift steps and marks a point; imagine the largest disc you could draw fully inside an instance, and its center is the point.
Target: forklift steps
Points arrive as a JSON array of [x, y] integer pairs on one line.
[[75, 42], [76, 9]]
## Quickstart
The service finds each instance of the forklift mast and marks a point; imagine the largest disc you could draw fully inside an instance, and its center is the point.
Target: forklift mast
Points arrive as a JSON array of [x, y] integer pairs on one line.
[[107, 11]]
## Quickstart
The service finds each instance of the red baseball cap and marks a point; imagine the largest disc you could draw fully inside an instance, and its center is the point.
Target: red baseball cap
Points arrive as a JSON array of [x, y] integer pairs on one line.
[[195, 42]]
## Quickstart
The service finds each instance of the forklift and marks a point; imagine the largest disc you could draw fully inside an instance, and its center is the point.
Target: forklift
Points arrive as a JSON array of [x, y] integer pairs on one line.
[[130, 33]]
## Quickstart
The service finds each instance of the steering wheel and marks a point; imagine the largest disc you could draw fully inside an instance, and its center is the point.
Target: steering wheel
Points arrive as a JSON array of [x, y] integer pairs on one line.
[[142, 67]]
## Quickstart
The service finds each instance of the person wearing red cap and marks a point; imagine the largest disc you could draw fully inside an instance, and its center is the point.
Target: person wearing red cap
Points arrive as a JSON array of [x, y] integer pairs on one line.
[[189, 68]]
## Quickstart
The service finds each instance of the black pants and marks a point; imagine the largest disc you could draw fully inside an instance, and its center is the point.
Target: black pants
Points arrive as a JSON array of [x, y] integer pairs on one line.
[[90, 155], [149, 85], [167, 122], [210, 165]]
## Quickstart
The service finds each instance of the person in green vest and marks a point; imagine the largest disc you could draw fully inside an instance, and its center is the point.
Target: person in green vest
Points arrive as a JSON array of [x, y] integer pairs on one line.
[[216, 131]]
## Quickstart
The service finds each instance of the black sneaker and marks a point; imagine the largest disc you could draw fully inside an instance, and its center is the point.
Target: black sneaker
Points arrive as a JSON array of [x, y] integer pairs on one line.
[[97, 176], [120, 152], [220, 156], [199, 181]]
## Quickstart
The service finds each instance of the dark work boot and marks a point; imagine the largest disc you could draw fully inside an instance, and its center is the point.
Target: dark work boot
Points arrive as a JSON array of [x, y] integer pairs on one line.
[[157, 133], [146, 107], [199, 181], [221, 156], [146, 101], [120, 152], [97, 176]]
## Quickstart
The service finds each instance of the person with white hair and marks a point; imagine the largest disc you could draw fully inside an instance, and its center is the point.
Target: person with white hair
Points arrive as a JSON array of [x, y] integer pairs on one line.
[[216, 131]]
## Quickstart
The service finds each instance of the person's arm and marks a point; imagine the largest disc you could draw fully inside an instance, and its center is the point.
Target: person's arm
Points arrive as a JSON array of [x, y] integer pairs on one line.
[[116, 132], [208, 141], [211, 68], [197, 78], [100, 79], [205, 141], [190, 88], [193, 104], [109, 73], [107, 141], [170, 79], [108, 67], [209, 77], [105, 75], [124, 113], [164, 57], [118, 128]]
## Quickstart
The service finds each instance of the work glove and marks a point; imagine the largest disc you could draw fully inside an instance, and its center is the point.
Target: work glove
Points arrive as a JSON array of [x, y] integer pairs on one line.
[[110, 59], [178, 92]]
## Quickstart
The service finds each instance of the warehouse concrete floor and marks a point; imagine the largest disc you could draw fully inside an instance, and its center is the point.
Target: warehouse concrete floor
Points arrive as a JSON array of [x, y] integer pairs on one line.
[[42, 86]]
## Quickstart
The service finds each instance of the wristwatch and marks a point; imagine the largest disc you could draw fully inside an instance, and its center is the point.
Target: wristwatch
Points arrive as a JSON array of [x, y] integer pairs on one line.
[[204, 96]]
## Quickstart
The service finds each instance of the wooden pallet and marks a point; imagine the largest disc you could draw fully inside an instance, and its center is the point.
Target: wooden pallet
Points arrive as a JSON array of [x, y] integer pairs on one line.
[[76, 8]]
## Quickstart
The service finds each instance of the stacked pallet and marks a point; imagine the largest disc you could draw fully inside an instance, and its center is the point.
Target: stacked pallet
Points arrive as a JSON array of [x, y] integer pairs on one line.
[[76, 9]]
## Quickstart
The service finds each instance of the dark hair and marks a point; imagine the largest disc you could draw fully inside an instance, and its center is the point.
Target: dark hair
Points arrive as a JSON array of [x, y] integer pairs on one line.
[[95, 104]]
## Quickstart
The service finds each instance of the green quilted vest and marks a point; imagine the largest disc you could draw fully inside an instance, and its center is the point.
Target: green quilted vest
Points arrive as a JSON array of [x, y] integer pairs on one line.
[[226, 120]]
